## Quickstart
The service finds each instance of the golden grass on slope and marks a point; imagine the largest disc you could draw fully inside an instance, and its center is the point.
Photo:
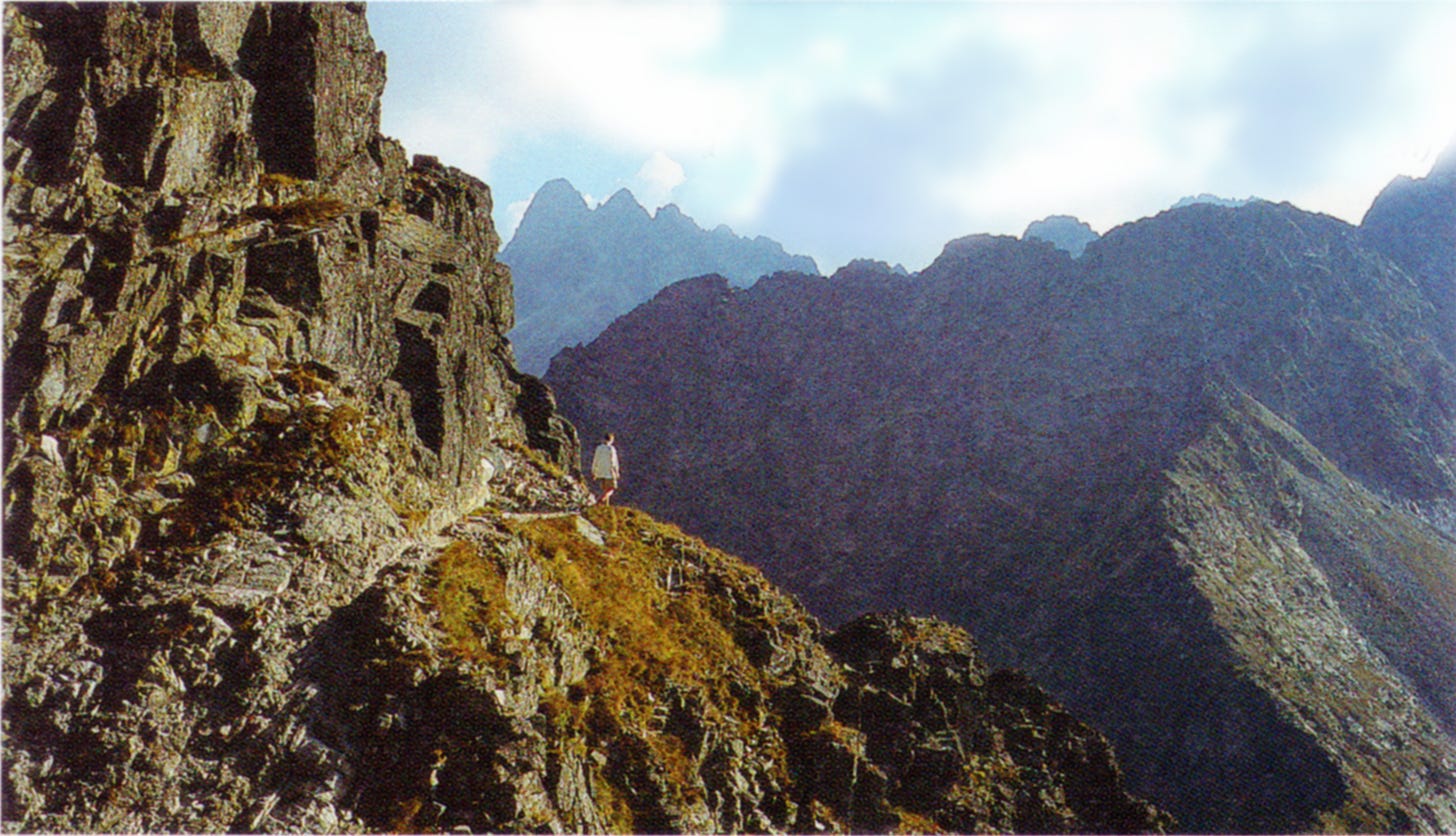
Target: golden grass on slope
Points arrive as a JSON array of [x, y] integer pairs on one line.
[[665, 649], [534, 456], [470, 597], [654, 636], [661, 615]]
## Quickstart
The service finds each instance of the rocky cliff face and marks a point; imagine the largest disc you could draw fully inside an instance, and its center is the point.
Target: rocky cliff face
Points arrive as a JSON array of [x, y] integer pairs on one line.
[[195, 209], [577, 268], [1199, 481], [255, 373]]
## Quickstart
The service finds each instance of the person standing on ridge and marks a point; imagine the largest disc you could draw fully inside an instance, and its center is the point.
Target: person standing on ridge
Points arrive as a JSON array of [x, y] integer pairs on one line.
[[605, 468]]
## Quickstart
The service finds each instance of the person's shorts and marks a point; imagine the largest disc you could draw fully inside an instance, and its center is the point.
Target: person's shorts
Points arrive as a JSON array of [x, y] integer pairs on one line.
[[607, 484]]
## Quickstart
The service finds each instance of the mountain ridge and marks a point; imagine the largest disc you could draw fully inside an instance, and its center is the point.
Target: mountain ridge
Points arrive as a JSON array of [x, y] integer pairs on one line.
[[983, 440]]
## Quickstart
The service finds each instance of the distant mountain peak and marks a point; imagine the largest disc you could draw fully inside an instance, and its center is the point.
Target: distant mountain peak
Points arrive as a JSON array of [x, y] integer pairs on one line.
[[1205, 197], [623, 197], [870, 266], [1064, 232], [555, 203], [558, 193], [672, 220], [577, 268], [971, 245], [623, 203], [558, 186]]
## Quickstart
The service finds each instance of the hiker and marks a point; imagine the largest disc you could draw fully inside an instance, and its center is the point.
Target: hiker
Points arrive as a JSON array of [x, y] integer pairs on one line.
[[605, 468]]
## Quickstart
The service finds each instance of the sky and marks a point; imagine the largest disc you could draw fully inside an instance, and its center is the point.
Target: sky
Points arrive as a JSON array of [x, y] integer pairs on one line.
[[884, 130]]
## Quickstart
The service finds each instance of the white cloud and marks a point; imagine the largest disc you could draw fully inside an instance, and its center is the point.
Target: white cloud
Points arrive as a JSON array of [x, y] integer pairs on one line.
[[1112, 113], [831, 53], [656, 179], [881, 130], [453, 129], [623, 72]]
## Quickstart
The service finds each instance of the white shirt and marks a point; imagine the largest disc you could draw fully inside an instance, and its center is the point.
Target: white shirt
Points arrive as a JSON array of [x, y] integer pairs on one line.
[[604, 462]]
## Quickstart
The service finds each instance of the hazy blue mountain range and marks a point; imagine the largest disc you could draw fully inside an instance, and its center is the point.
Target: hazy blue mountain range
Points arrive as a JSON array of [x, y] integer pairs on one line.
[[1200, 480], [576, 268]]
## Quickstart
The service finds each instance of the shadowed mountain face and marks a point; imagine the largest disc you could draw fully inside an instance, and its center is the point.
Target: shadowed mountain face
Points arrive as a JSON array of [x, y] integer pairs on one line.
[[1413, 221], [576, 269], [1200, 481]]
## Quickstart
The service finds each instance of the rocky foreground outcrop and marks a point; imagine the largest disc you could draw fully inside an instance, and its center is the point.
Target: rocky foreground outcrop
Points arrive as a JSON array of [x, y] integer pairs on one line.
[[255, 375], [609, 674], [1198, 481]]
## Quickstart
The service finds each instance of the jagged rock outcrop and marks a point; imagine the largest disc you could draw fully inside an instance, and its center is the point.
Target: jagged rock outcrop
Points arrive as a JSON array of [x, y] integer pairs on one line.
[[609, 674], [255, 374], [250, 353], [578, 268], [166, 240], [1198, 481]]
